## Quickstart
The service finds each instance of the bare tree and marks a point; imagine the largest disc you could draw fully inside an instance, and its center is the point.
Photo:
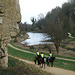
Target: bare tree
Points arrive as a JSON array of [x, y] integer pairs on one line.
[[54, 28]]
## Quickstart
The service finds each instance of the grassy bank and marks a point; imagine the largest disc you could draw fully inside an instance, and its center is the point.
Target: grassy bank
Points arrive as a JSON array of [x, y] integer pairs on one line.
[[22, 48], [20, 54], [65, 64], [17, 67], [46, 53], [70, 65]]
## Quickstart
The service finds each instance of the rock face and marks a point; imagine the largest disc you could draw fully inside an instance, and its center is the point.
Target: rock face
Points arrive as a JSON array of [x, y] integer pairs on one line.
[[10, 18]]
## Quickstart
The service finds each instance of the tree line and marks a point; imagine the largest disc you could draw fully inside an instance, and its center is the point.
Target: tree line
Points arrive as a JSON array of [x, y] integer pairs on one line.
[[58, 22]]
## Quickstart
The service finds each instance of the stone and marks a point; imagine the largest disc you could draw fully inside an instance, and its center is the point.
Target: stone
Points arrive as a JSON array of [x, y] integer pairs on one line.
[[10, 18]]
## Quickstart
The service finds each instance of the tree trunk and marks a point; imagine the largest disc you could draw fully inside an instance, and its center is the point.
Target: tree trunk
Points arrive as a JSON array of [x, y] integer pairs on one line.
[[57, 48]]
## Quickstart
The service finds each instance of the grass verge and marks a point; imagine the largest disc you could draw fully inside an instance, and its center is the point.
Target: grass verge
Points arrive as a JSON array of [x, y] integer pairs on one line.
[[64, 64], [46, 53], [17, 67], [70, 65], [22, 48], [20, 54]]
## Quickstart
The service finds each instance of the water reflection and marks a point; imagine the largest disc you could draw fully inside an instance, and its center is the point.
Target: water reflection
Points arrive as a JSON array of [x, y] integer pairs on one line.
[[36, 38]]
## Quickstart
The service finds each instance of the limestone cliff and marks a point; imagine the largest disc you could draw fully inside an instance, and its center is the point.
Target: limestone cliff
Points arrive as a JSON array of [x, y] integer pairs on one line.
[[10, 17]]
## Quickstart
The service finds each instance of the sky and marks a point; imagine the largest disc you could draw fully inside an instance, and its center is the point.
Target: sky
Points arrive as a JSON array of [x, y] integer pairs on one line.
[[33, 8]]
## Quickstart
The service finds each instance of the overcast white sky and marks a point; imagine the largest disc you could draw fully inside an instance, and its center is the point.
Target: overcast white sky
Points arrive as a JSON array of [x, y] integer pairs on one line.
[[32, 8]]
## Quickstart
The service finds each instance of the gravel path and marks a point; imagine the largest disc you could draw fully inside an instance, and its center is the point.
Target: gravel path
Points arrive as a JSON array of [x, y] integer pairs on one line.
[[53, 70]]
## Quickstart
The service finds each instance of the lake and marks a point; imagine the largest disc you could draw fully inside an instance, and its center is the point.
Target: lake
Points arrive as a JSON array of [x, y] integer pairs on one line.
[[36, 38]]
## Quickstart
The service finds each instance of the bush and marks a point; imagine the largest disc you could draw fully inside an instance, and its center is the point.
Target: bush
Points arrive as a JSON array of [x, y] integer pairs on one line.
[[32, 47], [63, 45], [68, 48]]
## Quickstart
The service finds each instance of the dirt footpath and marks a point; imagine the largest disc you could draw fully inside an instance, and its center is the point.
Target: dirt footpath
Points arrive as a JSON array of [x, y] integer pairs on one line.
[[53, 70], [34, 53]]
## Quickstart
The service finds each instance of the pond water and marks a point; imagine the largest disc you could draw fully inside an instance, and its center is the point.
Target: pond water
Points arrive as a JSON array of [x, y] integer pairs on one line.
[[36, 38]]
